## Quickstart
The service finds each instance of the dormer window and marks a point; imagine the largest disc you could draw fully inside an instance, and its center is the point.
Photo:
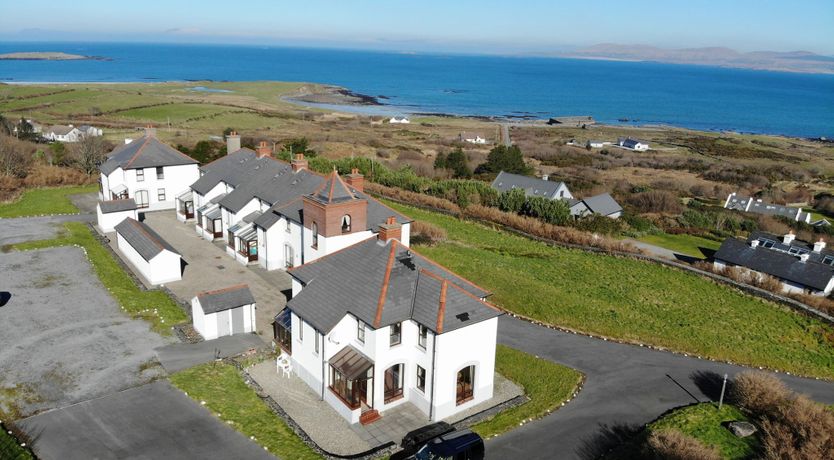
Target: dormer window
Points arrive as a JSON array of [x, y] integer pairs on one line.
[[829, 260], [346, 223], [314, 228]]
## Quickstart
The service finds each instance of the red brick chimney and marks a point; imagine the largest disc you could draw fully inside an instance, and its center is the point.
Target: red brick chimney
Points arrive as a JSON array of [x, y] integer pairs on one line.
[[264, 150], [355, 180], [299, 163], [391, 229], [232, 142]]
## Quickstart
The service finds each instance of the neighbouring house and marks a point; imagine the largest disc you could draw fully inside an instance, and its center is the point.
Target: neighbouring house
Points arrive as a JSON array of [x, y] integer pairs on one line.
[[91, 131], [749, 204], [36, 127], [156, 260], [801, 267], [279, 215], [603, 204], [532, 186], [377, 325], [149, 171], [597, 144], [633, 144], [399, 120], [821, 223], [223, 312], [472, 138], [573, 121], [110, 213], [62, 133]]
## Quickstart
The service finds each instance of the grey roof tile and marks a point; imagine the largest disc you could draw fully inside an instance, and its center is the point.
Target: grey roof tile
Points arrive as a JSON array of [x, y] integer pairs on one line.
[[225, 299], [145, 152], [109, 206], [602, 204], [532, 186], [143, 239]]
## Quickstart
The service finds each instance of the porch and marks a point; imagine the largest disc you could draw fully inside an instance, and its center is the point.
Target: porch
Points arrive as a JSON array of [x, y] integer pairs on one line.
[[242, 242], [185, 206]]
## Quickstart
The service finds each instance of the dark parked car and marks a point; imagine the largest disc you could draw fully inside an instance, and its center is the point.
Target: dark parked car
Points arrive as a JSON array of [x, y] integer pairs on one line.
[[457, 445], [419, 437]]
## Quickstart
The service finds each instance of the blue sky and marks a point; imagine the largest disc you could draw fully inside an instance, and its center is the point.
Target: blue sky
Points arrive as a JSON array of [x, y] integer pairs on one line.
[[486, 26]]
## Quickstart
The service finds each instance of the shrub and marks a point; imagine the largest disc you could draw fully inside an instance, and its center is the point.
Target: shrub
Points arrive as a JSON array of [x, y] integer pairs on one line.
[[503, 158], [426, 233], [759, 392], [656, 201], [599, 224], [512, 200], [551, 211], [673, 445]]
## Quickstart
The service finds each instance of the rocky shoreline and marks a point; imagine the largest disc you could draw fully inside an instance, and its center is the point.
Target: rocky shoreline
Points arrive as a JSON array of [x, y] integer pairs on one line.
[[49, 56], [335, 95]]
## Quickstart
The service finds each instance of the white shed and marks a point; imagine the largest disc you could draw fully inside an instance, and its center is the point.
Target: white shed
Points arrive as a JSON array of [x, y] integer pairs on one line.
[[112, 212], [224, 312], [153, 257]]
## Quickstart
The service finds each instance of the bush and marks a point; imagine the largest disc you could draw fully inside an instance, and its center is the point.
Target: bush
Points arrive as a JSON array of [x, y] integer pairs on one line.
[[503, 158], [656, 201], [512, 200], [426, 233], [673, 445], [554, 212], [596, 223], [759, 392]]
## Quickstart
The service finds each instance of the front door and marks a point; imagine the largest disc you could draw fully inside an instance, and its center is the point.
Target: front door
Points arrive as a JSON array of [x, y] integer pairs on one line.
[[465, 387], [141, 199], [393, 383], [289, 258], [238, 327]]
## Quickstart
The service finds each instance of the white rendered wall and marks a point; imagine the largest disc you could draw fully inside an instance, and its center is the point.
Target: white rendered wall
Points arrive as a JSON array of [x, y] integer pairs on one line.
[[163, 268], [176, 179], [107, 222]]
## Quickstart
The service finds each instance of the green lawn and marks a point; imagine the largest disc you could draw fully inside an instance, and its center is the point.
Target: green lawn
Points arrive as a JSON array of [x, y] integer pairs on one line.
[[684, 244], [546, 383], [629, 299], [225, 393], [154, 306], [10, 449], [703, 422], [176, 113], [40, 201]]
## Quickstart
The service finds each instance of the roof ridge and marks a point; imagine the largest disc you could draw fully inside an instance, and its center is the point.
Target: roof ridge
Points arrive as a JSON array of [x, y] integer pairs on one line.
[[384, 290], [136, 155], [436, 264], [141, 227], [372, 237], [225, 289], [441, 308], [459, 288]]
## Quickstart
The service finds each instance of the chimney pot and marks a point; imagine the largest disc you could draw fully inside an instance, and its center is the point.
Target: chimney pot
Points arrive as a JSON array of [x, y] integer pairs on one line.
[[263, 149], [232, 143], [788, 239], [819, 245], [355, 180], [390, 230], [754, 243], [299, 162]]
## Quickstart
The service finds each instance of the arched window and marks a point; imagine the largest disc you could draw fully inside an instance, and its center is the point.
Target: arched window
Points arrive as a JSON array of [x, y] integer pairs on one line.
[[314, 228], [465, 388], [346, 223]]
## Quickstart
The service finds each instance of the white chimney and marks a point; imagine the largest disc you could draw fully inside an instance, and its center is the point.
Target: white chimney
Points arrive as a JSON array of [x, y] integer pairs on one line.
[[819, 245], [232, 142], [545, 176], [754, 244], [804, 257], [788, 239]]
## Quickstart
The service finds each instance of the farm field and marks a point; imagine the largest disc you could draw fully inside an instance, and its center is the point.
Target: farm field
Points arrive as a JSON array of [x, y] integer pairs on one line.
[[630, 300], [684, 244], [41, 201]]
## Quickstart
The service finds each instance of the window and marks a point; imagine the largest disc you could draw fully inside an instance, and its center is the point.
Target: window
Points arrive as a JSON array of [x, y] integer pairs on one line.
[[141, 198], [314, 228], [396, 331], [422, 336], [289, 258], [465, 385], [140, 175], [283, 330], [160, 173], [160, 194], [346, 223], [317, 341], [393, 383], [797, 251], [289, 226], [301, 331], [421, 379], [828, 260], [360, 331]]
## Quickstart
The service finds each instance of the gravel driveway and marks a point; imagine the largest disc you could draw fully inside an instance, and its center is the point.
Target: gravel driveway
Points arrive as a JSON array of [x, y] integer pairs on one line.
[[64, 338]]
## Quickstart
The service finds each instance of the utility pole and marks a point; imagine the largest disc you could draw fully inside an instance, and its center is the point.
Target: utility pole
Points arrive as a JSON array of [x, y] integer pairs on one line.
[[723, 387]]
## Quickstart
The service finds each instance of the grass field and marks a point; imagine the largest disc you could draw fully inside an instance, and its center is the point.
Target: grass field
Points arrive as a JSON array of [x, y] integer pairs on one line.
[[631, 300], [546, 383], [703, 422], [175, 113], [683, 244], [40, 201], [225, 393], [10, 449], [154, 306]]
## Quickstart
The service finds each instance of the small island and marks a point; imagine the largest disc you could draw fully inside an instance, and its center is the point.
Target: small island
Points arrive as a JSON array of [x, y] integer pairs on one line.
[[48, 56]]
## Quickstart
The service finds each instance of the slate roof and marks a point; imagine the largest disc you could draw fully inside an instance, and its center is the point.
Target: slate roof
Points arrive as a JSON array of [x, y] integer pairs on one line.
[[532, 186], [143, 239], [741, 202], [602, 204], [777, 261], [333, 190], [117, 205], [145, 152], [385, 283], [225, 299], [60, 130]]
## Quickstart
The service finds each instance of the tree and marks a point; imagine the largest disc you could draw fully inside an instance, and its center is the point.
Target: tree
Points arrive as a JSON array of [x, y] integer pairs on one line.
[[299, 145], [554, 212], [503, 158], [89, 153], [25, 131], [457, 162], [512, 200], [59, 154], [440, 161], [15, 158]]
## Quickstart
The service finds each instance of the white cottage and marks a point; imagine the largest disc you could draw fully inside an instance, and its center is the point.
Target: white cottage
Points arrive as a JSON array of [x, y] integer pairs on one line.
[[63, 133], [224, 312], [377, 325], [110, 213], [149, 171], [156, 260], [399, 120]]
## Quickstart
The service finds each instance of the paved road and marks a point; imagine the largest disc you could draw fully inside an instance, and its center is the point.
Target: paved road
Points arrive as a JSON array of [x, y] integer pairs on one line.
[[505, 135], [626, 387], [154, 421], [23, 229], [178, 356]]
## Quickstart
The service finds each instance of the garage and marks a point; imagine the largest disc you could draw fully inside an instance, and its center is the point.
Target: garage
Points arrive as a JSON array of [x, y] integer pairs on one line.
[[156, 260], [224, 312]]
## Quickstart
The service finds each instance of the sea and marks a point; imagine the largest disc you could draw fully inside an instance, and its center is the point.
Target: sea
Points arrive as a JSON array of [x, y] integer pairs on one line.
[[641, 93]]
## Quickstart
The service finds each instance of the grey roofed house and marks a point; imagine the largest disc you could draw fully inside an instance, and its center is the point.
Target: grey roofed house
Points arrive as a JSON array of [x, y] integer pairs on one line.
[[352, 281], [143, 239], [145, 152], [532, 186], [225, 299], [602, 204], [59, 130], [109, 206], [749, 204], [771, 255]]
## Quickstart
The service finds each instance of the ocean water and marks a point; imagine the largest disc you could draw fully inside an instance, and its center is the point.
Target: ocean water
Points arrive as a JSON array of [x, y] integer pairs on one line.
[[696, 97]]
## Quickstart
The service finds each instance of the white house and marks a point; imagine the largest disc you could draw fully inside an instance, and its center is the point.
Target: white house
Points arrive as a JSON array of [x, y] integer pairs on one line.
[[757, 206], [63, 133], [156, 260], [399, 120], [472, 138], [149, 171], [112, 212], [801, 267], [532, 186], [375, 325], [223, 312], [597, 144], [633, 144], [602, 204], [91, 131]]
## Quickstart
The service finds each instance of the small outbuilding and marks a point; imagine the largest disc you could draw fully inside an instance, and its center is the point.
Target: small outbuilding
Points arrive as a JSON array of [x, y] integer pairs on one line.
[[112, 212], [223, 312], [156, 260]]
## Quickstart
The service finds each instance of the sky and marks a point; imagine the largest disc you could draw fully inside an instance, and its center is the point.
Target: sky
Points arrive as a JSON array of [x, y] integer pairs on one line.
[[485, 26]]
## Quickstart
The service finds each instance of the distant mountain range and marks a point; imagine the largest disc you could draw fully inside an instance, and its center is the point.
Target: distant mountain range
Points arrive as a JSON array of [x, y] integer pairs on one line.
[[793, 61]]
